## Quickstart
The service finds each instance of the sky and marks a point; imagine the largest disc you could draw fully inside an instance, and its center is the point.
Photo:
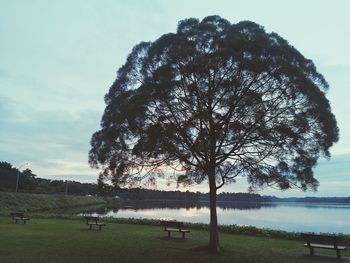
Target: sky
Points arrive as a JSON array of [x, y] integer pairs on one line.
[[59, 58]]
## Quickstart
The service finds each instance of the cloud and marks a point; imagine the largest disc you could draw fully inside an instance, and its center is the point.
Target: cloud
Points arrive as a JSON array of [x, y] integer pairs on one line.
[[49, 140], [52, 80]]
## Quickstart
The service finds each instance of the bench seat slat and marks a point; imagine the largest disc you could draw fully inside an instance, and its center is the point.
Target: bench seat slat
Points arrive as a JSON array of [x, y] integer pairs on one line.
[[174, 226], [94, 221], [177, 230], [325, 246], [19, 216], [96, 224], [324, 242]]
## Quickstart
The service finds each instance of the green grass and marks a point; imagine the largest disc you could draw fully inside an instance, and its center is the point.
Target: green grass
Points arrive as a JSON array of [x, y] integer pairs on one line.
[[64, 240], [24, 202]]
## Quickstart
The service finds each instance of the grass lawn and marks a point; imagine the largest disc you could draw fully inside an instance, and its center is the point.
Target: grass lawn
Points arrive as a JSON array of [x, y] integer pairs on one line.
[[63, 240]]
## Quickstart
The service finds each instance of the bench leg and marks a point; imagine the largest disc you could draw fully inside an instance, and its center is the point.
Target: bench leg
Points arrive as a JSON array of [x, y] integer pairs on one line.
[[311, 251], [168, 233], [90, 227], [338, 254], [16, 221], [183, 235], [99, 228]]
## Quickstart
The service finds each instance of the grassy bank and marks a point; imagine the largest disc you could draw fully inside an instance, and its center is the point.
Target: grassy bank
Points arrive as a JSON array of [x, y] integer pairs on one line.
[[63, 240], [10, 201]]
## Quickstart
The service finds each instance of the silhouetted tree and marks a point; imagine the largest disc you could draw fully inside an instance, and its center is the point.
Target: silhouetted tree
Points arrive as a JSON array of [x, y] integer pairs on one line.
[[27, 181], [8, 175], [216, 100]]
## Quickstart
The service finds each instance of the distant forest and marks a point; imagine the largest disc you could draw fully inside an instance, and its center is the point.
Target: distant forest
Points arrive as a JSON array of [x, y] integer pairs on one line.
[[30, 183]]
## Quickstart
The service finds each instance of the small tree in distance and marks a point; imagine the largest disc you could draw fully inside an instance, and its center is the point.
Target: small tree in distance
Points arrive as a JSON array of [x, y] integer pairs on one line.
[[213, 101]]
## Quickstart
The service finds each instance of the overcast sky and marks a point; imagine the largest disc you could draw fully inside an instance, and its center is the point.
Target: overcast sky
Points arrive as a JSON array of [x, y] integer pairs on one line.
[[58, 59]]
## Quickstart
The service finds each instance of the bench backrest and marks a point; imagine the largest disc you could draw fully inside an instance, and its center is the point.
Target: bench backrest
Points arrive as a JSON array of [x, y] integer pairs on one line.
[[17, 214], [321, 239], [93, 219], [175, 224]]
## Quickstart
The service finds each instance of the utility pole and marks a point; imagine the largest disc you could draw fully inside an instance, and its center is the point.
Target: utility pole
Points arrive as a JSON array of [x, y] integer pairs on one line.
[[66, 186], [19, 168]]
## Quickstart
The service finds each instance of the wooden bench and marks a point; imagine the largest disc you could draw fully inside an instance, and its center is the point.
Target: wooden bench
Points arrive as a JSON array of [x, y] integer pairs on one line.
[[16, 216], [94, 221], [322, 241], [174, 226]]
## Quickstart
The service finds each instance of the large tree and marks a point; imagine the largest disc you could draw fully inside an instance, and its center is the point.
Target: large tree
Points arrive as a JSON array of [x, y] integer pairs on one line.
[[213, 101]]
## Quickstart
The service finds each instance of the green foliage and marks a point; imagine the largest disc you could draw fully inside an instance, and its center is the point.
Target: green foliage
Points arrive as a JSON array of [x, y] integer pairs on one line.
[[217, 100], [29, 182], [8, 177]]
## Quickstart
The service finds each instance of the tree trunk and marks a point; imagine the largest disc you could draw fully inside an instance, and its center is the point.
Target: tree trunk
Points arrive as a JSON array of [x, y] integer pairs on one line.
[[214, 234]]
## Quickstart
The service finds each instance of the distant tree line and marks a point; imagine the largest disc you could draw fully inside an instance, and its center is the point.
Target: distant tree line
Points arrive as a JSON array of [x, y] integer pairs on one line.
[[8, 178], [29, 182], [242, 197], [149, 194], [327, 200]]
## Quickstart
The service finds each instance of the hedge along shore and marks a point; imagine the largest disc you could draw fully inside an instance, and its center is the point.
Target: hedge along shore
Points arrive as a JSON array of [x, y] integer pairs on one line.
[[230, 229]]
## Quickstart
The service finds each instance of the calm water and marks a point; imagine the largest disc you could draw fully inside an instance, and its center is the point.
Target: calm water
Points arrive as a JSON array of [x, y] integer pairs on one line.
[[332, 218]]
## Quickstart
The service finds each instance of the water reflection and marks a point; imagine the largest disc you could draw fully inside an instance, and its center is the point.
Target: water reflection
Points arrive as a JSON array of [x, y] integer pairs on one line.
[[139, 205], [297, 217]]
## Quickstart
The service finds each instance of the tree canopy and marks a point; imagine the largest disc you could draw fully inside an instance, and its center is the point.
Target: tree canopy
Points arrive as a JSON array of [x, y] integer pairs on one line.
[[230, 94], [213, 101]]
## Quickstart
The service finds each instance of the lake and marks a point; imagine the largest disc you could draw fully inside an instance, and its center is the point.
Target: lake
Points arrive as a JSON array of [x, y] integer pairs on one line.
[[298, 217]]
